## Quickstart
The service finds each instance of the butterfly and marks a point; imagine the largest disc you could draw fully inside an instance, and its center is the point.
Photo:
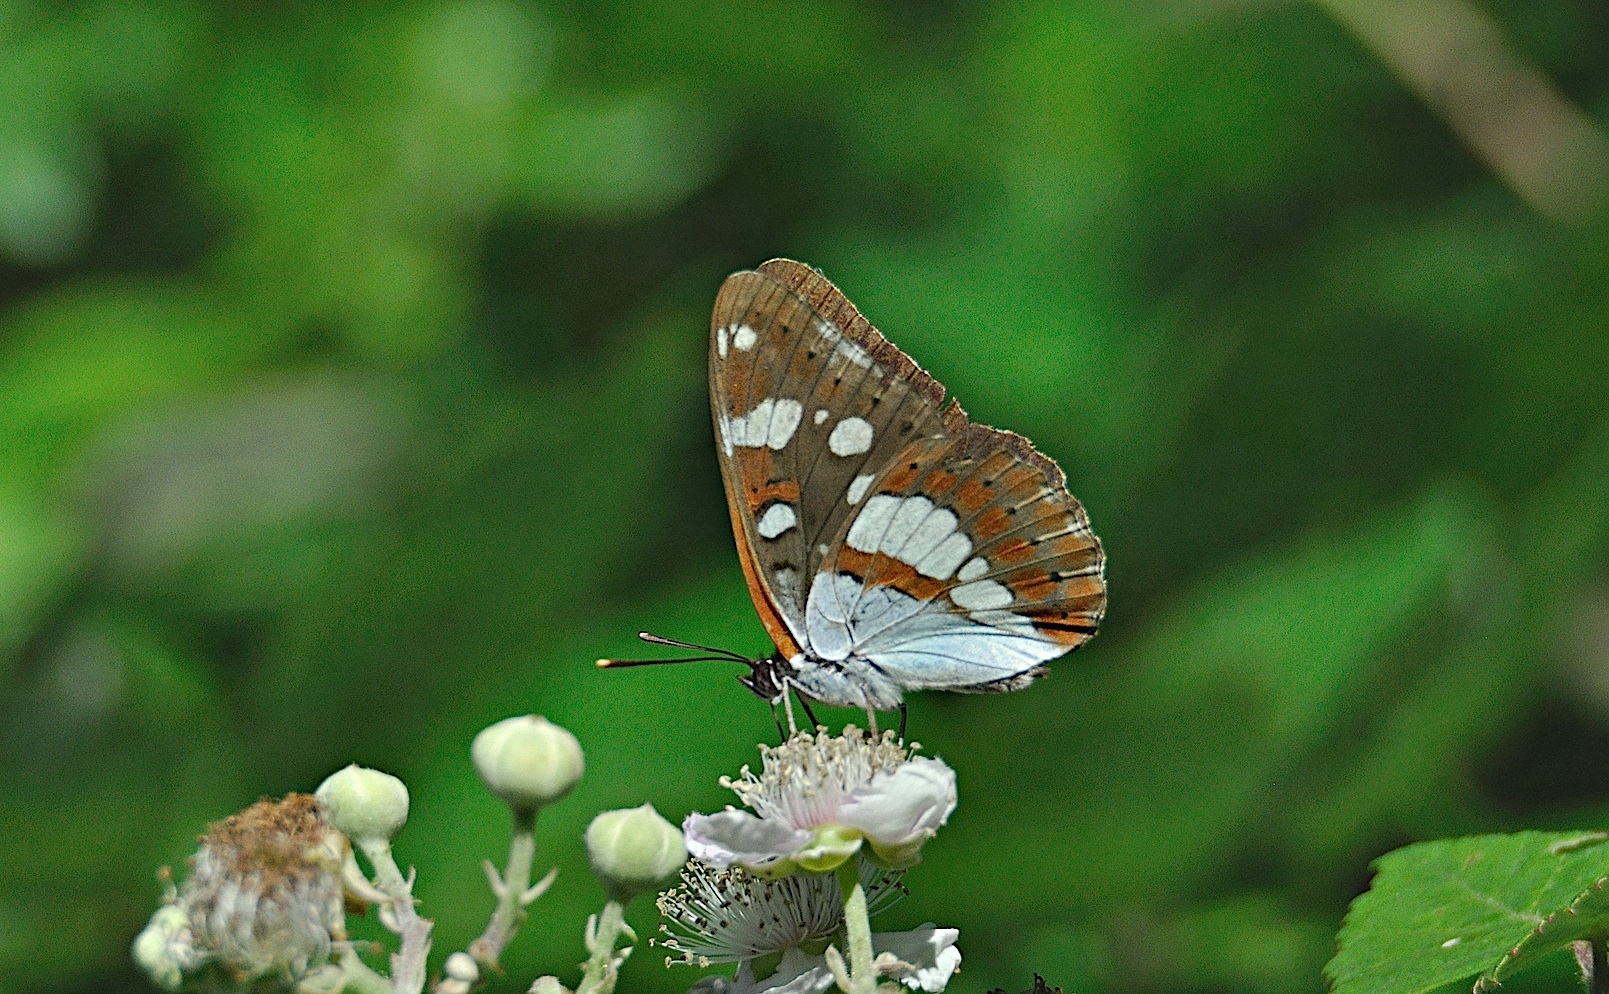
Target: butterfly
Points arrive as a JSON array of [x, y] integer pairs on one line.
[[888, 542]]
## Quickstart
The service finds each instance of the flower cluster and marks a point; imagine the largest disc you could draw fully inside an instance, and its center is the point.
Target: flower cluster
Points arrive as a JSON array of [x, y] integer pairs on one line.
[[832, 824], [266, 899], [784, 887]]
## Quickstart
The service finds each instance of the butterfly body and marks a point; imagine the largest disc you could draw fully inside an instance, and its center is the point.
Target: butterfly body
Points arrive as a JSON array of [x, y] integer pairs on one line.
[[888, 542]]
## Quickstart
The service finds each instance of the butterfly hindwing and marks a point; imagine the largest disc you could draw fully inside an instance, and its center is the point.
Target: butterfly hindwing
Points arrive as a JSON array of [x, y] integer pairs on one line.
[[966, 566]]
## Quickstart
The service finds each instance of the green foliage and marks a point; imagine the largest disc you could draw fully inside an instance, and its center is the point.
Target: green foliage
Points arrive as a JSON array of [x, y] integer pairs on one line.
[[352, 397], [1443, 912]]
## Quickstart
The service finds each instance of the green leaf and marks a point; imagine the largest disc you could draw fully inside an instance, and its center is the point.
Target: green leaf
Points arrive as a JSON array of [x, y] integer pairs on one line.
[[1483, 907]]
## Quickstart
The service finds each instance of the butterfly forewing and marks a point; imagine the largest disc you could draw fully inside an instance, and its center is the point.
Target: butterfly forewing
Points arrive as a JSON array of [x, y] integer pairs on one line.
[[804, 410]]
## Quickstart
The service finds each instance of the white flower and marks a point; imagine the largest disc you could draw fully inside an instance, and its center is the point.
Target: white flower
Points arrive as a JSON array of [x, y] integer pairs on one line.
[[730, 915], [818, 798], [923, 959]]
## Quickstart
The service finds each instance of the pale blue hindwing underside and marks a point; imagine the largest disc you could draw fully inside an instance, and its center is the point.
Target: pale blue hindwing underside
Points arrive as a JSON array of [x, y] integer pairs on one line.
[[920, 645]]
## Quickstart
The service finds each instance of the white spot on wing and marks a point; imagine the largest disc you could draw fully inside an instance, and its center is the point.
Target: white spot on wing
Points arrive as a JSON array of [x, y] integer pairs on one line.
[[933, 530], [778, 518], [981, 595], [743, 338], [720, 342], [910, 529], [910, 514], [785, 586], [1010, 622], [771, 423], [821, 415], [974, 568], [850, 437], [945, 557], [867, 531], [849, 350], [1450, 943], [857, 489]]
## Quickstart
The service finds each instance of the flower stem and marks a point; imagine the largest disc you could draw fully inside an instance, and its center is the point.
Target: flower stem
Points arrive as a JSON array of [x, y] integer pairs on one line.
[[602, 968], [858, 927], [408, 962], [511, 889], [357, 978]]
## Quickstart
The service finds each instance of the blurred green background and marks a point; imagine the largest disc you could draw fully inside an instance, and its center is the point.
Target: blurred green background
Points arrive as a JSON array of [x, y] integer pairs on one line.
[[352, 396]]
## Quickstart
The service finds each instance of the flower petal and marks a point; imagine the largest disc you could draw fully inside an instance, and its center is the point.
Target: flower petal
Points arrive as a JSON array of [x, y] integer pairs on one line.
[[929, 953], [734, 836], [797, 973], [904, 807]]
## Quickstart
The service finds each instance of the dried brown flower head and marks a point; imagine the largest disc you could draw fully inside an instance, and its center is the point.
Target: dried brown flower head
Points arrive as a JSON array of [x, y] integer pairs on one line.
[[264, 893]]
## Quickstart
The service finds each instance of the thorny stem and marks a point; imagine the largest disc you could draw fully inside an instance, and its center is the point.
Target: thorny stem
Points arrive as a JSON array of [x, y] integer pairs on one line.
[[857, 925], [512, 896], [356, 977], [408, 962], [599, 972]]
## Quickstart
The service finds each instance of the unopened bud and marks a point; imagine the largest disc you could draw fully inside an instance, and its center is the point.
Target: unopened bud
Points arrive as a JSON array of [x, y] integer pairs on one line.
[[634, 850], [548, 985], [527, 761], [461, 966], [165, 948], [366, 805]]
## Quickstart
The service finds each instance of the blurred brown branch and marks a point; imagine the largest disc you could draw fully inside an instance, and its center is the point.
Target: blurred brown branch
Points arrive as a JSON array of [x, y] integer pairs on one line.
[[1455, 58]]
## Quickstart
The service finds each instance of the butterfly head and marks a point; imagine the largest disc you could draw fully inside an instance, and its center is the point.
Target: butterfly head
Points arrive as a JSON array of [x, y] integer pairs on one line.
[[767, 678]]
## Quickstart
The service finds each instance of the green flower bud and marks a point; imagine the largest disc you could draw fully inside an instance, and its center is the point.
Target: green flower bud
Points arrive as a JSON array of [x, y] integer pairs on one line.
[[366, 805], [634, 850], [527, 761]]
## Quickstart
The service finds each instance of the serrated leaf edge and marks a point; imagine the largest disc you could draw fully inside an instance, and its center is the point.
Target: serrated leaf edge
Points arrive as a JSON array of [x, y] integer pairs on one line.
[[1493, 977]]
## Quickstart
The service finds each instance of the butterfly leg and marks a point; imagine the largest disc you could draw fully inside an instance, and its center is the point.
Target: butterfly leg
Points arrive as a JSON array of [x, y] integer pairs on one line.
[[804, 703], [782, 736], [787, 707], [902, 717]]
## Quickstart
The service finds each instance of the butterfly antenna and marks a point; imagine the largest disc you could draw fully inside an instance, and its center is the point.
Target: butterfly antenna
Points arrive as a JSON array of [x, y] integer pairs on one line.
[[712, 654]]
